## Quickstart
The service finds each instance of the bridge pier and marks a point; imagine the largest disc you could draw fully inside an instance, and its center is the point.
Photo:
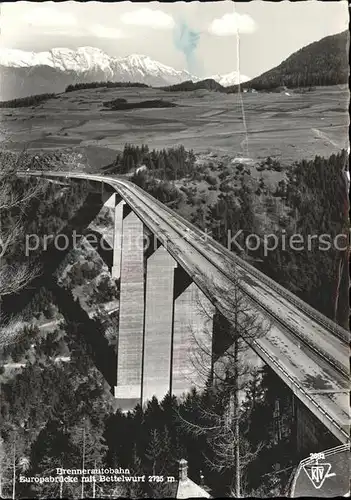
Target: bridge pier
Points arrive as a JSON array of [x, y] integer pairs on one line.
[[158, 324], [106, 192], [311, 436], [192, 340], [117, 237], [131, 314]]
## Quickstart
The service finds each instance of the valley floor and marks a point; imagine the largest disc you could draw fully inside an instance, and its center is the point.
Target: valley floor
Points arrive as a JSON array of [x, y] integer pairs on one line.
[[288, 125]]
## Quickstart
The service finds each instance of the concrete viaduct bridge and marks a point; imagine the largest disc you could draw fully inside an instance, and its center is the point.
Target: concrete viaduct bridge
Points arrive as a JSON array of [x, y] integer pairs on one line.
[[160, 293]]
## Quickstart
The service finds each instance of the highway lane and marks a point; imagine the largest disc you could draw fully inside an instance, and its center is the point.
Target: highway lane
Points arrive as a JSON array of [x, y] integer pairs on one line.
[[312, 375], [232, 260], [307, 328], [301, 367]]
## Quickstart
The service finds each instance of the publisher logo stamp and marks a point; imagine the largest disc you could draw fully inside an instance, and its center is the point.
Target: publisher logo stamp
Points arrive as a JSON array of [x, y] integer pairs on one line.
[[318, 471]]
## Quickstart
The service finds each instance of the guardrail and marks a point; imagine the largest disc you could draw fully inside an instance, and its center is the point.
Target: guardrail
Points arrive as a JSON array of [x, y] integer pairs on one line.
[[277, 319], [222, 250], [336, 329]]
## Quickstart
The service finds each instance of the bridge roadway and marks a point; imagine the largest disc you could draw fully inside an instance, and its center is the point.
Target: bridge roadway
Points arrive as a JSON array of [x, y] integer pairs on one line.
[[307, 350]]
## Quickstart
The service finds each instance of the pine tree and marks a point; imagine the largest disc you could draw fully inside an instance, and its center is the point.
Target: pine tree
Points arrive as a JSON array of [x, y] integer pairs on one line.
[[90, 444], [52, 449], [154, 451], [219, 418], [3, 467]]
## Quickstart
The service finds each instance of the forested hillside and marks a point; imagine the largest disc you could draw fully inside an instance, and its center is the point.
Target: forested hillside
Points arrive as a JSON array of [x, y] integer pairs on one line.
[[310, 201], [325, 62], [108, 85], [32, 100], [316, 192], [207, 84]]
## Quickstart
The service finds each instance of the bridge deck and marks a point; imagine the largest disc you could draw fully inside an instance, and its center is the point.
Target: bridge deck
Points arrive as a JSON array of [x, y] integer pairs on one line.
[[303, 348]]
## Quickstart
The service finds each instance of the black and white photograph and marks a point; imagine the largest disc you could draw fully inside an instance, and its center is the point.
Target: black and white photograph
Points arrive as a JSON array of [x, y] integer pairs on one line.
[[174, 249]]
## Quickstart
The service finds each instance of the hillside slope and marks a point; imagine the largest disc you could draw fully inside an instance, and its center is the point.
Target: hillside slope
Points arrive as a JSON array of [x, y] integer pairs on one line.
[[189, 85], [320, 63]]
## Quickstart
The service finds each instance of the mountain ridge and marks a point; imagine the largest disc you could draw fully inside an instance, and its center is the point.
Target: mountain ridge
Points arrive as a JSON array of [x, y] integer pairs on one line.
[[324, 62], [228, 79], [53, 70], [320, 63], [84, 59]]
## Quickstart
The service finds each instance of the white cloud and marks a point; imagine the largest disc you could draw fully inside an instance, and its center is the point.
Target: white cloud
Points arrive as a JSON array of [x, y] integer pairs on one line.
[[49, 17], [156, 19], [231, 24], [47, 20], [43, 20], [101, 31]]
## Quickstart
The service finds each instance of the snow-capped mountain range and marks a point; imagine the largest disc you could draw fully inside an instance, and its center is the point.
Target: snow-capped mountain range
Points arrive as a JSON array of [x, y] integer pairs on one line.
[[230, 78], [23, 73], [90, 59]]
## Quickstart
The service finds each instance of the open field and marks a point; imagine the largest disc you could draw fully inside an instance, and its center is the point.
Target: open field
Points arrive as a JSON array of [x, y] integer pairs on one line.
[[289, 127]]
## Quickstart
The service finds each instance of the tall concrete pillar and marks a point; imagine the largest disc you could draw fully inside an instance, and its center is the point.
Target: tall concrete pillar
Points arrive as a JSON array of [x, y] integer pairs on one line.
[[108, 196], [158, 324], [192, 340], [117, 238], [311, 434], [131, 314]]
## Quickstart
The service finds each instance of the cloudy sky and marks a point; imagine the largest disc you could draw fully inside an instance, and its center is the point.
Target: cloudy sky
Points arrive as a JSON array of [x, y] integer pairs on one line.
[[199, 37]]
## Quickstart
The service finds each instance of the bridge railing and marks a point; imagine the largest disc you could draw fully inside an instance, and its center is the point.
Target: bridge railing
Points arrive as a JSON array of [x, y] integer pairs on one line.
[[337, 330]]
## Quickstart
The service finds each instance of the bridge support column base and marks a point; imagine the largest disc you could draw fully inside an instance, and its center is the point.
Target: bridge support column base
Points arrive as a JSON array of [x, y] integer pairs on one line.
[[131, 312], [117, 239], [127, 397], [116, 272], [158, 324], [311, 435]]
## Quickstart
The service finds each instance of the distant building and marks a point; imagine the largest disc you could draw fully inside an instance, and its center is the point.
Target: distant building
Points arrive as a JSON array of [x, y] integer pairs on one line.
[[186, 488]]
